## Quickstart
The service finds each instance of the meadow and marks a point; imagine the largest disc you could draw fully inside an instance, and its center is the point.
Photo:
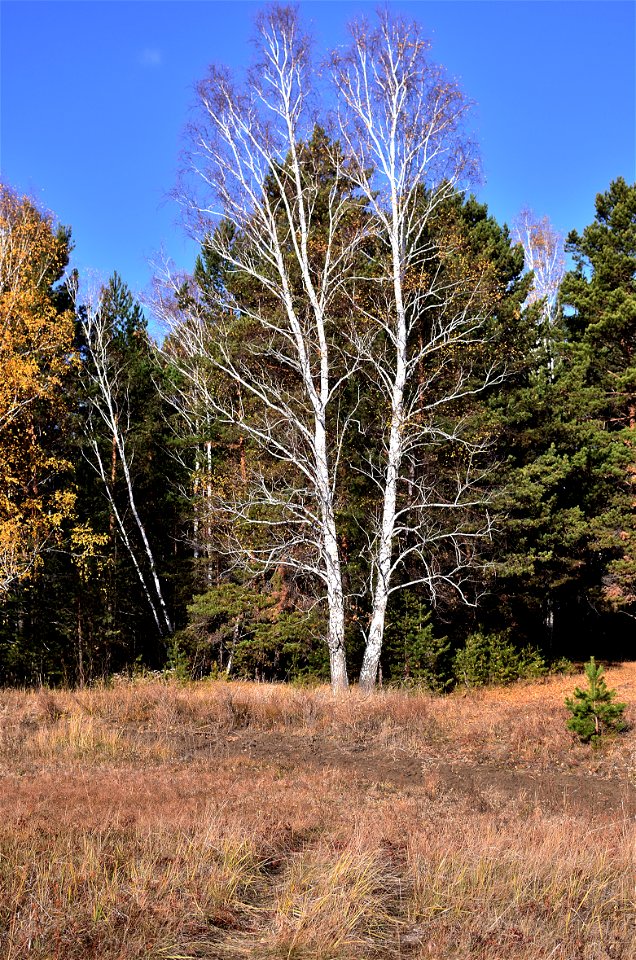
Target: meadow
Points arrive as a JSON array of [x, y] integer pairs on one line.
[[153, 819]]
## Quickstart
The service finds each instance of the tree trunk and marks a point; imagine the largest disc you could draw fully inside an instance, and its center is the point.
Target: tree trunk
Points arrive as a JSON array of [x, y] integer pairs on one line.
[[373, 650], [166, 628], [338, 668], [337, 654], [235, 635], [113, 477], [80, 644], [335, 599]]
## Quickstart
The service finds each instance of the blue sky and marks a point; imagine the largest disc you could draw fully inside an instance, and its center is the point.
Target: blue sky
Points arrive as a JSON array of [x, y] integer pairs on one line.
[[95, 95]]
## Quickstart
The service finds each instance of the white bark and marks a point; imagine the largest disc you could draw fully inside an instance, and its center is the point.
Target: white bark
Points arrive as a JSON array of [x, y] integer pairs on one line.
[[246, 154], [400, 127], [544, 255], [402, 121], [108, 416]]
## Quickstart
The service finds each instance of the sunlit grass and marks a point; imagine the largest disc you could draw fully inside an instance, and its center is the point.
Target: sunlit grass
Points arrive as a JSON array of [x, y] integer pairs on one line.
[[156, 820]]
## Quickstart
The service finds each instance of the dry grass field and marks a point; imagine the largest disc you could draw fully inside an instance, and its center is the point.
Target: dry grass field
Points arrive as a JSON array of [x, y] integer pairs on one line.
[[154, 820]]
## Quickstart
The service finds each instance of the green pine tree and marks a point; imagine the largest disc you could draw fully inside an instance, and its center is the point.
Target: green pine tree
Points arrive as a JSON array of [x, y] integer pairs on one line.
[[594, 711], [600, 300], [564, 557]]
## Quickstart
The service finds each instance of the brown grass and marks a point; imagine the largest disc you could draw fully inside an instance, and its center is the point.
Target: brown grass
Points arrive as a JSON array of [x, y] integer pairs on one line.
[[215, 820]]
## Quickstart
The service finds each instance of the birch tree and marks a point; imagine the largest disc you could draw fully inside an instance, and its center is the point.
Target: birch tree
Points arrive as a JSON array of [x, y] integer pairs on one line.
[[544, 253], [107, 432], [402, 124], [264, 353], [359, 277]]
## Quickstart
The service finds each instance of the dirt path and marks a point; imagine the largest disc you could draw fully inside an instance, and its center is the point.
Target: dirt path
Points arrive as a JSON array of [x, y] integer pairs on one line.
[[195, 775]]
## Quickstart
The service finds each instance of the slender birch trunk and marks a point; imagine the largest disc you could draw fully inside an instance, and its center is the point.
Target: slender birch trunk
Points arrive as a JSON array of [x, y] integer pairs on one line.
[[105, 409], [167, 624], [335, 601], [123, 532], [373, 649]]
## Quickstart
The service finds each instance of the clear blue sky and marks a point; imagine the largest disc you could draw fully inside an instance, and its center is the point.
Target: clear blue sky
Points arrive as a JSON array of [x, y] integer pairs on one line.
[[94, 97]]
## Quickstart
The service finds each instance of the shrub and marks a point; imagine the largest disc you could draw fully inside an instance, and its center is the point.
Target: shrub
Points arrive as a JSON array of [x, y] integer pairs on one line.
[[593, 710], [413, 655], [494, 659]]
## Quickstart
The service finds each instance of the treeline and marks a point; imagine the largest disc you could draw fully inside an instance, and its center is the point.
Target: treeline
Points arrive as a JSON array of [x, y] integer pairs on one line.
[[383, 436]]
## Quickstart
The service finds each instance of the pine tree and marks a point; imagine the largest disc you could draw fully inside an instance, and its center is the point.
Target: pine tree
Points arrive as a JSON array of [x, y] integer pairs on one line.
[[594, 712], [565, 560], [600, 300]]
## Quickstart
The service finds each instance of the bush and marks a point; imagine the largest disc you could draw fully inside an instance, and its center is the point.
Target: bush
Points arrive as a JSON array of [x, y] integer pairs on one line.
[[413, 655], [593, 711], [178, 665], [494, 659], [249, 631]]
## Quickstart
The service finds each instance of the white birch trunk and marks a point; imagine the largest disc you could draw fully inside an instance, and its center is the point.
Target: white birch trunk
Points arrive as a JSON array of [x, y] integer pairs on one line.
[[246, 158], [167, 625], [401, 120], [335, 601], [106, 378], [98, 464], [373, 649]]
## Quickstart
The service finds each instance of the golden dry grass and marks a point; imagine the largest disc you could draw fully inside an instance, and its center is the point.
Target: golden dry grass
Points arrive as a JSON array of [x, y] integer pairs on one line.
[[215, 820]]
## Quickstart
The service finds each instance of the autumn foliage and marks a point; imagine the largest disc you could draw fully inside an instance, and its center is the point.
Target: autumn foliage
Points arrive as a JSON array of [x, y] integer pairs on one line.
[[36, 337]]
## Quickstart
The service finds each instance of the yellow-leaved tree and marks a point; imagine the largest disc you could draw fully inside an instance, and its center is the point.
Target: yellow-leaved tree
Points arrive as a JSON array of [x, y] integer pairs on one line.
[[36, 358]]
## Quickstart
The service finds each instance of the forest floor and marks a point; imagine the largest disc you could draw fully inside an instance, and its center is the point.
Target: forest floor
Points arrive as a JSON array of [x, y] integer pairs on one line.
[[228, 820]]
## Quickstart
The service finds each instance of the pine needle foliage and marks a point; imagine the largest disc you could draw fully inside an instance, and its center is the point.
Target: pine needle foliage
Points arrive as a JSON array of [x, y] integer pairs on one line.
[[594, 711]]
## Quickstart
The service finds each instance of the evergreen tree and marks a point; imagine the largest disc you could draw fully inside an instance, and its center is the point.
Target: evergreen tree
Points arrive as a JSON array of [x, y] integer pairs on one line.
[[564, 559], [594, 711], [599, 297]]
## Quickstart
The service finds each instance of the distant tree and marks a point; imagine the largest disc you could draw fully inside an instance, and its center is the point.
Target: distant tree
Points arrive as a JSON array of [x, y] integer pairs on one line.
[[544, 253]]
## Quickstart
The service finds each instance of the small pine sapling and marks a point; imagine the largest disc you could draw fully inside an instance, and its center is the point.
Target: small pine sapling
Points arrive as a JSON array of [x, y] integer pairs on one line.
[[593, 710]]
